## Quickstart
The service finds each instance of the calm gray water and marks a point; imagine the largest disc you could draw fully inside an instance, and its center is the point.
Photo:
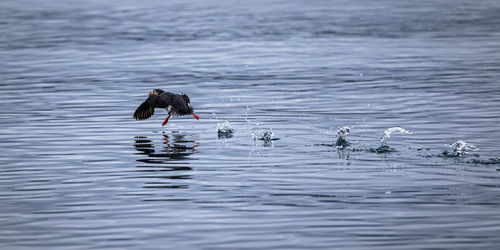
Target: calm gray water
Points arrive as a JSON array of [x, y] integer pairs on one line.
[[78, 172]]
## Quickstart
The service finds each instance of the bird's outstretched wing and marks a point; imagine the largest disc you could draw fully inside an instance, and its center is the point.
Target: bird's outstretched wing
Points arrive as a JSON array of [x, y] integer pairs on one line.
[[145, 110]]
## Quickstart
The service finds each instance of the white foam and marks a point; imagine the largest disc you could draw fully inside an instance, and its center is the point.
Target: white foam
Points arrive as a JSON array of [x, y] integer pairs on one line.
[[461, 147], [343, 131], [263, 135], [224, 128]]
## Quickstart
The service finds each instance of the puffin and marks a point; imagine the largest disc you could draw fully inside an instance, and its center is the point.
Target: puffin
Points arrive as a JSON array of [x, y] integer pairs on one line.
[[175, 104]]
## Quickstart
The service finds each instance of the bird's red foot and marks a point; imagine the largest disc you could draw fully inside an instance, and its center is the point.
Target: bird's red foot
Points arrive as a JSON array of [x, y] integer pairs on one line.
[[195, 116], [166, 120]]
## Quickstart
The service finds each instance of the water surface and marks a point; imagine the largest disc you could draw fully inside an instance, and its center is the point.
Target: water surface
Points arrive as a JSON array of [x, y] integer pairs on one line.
[[77, 171]]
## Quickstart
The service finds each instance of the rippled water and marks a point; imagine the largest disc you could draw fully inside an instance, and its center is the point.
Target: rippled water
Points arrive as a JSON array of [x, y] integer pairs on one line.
[[77, 171]]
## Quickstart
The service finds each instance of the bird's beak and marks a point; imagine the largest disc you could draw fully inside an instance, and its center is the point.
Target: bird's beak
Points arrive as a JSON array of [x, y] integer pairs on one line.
[[150, 93], [195, 116]]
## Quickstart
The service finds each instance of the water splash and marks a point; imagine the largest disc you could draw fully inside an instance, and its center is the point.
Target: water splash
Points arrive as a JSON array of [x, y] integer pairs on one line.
[[225, 130], [384, 147], [264, 135], [459, 148], [389, 131], [342, 133]]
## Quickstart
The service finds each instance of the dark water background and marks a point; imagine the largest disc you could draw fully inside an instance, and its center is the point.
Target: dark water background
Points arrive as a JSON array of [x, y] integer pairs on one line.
[[77, 171]]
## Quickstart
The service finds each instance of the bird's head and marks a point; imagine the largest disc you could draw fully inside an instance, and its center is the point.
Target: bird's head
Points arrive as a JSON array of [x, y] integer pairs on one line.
[[186, 98], [156, 92]]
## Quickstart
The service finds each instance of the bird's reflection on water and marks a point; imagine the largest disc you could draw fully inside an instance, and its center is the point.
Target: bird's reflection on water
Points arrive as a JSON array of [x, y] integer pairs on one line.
[[168, 159]]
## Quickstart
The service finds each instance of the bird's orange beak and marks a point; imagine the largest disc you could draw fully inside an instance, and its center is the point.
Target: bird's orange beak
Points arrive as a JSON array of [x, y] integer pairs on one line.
[[195, 116], [150, 93]]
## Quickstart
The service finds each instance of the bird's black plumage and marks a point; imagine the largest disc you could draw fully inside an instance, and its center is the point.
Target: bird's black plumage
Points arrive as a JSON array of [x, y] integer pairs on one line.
[[175, 104]]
